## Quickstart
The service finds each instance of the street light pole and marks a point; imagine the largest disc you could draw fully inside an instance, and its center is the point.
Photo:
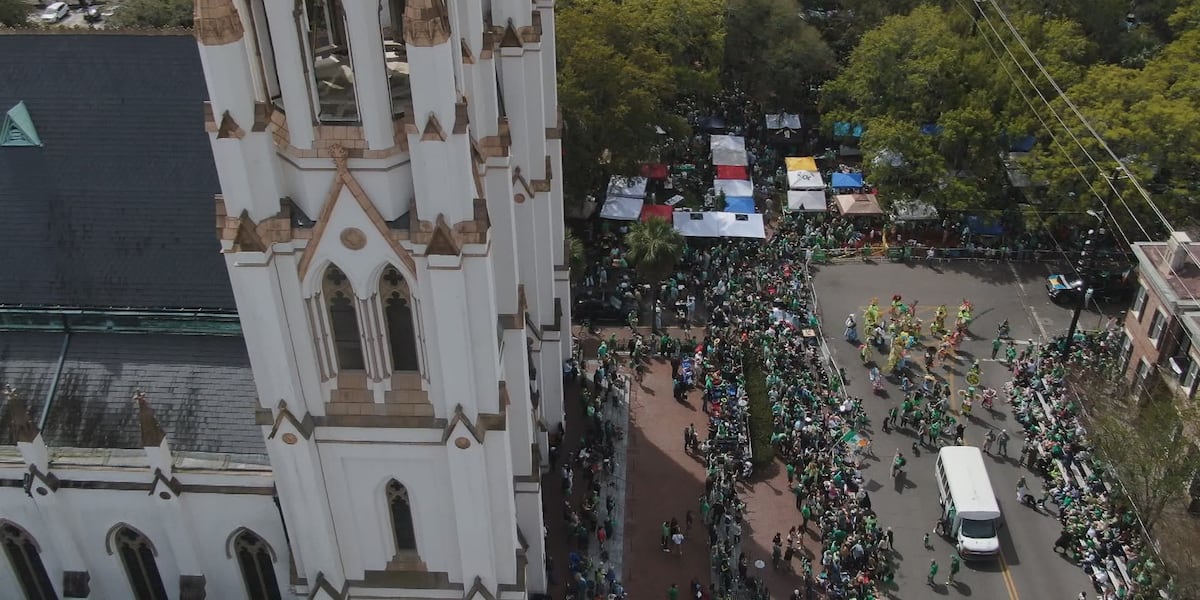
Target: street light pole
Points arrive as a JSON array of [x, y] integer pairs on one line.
[[1085, 263]]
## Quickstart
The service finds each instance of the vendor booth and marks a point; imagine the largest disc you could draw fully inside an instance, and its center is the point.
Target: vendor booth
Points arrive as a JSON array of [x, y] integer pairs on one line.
[[855, 205], [719, 224], [807, 200], [846, 180]]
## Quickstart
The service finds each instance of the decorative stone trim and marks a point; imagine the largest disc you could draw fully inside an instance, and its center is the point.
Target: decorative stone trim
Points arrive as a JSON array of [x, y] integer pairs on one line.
[[303, 427], [478, 589], [462, 117], [250, 237], [172, 484], [216, 22], [473, 231], [344, 178], [426, 23], [49, 480], [517, 177], [229, 128], [543, 185], [532, 34], [491, 41], [325, 137], [510, 38], [467, 57], [433, 131], [442, 241], [76, 584]]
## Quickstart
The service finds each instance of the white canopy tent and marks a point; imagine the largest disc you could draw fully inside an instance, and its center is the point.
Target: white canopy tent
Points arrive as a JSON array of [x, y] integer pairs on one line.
[[729, 150], [627, 187], [733, 187], [805, 180], [720, 224], [807, 200], [622, 209], [914, 210]]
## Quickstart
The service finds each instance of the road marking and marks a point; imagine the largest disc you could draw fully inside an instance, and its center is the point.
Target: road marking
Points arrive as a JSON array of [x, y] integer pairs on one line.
[[1008, 579], [1037, 321]]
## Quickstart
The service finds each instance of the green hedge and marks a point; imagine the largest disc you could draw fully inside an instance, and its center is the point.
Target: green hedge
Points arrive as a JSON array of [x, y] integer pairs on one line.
[[761, 424]]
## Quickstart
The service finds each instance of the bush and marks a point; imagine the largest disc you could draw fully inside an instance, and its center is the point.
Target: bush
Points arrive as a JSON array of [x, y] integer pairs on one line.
[[760, 422]]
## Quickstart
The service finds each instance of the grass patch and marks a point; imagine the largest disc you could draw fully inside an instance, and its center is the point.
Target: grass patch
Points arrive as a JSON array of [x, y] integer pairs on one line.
[[760, 422]]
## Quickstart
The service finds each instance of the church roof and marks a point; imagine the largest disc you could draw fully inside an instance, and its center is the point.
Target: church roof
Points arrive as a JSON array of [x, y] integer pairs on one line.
[[200, 388], [115, 208]]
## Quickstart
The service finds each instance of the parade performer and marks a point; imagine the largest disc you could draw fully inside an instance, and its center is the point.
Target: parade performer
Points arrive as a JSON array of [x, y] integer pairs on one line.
[[864, 351], [896, 304], [871, 314], [939, 320]]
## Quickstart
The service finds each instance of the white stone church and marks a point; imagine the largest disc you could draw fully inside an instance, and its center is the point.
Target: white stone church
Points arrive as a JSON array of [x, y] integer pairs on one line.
[[359, 406]]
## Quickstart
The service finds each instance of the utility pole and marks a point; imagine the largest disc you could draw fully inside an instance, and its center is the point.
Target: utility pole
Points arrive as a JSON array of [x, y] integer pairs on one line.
[[1085, 268]]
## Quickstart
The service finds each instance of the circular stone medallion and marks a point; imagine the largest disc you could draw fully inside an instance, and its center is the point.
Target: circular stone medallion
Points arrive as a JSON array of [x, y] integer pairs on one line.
[[353, 238]]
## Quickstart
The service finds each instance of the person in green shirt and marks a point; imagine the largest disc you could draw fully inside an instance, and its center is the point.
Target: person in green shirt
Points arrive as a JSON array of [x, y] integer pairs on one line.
[[954, 566], [791, 472], [933, 569], [673, 592]]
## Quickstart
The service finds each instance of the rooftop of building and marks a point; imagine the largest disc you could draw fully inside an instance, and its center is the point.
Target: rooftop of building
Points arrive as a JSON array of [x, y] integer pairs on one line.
[[1184, 282], [114, 208], [200, 388]]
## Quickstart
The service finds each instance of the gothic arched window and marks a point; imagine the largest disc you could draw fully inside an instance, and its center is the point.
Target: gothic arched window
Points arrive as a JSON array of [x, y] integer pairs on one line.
[[402, 520], [137, 556], [258, 568], [26, 562], [343, 320], [397, 308]]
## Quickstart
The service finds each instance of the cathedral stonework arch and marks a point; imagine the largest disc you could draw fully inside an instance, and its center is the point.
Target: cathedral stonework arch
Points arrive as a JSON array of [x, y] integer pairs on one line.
[[400, 320], [342, 310]]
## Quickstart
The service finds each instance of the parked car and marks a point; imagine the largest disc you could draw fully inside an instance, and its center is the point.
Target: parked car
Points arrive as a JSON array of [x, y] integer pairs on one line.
[[1107, 286], [55, 12]]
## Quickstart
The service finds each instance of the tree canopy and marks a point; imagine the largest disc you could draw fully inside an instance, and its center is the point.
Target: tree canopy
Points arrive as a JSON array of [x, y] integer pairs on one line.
[[15, 13], [621, 65], [152, 14]]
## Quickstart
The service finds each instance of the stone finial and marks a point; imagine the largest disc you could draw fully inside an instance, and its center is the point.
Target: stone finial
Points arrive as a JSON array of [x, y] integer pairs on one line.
[[216, 22], [23, 429], [152, 432], [426, 23]]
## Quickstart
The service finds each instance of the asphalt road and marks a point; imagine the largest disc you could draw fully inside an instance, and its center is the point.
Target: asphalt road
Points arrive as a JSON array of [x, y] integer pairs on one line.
[[1030, 569]]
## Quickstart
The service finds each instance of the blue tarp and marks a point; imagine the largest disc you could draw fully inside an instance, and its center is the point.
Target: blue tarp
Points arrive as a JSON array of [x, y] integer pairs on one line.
[[1024, 144], [844, 129], [931, 129], [847, 180], [739, 204], [981, 226]]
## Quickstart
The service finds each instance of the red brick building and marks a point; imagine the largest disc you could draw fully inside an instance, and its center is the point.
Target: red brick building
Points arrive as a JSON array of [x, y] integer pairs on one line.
[[1162, 327]]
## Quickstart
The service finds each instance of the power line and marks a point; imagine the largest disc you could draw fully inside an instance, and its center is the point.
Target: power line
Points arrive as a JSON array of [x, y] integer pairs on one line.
[[1092, 130], [1058, 117]]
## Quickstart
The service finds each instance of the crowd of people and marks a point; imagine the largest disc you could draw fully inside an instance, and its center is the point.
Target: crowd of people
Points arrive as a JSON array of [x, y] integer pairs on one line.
[[1098, 533], [592, 520]]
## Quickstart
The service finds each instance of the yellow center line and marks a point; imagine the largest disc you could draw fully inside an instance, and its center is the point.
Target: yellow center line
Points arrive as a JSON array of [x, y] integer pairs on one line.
[[1008, 579]]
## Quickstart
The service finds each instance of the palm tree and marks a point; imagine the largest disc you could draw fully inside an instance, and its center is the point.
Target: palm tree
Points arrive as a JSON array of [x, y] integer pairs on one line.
[[576, 256], [654, 247]]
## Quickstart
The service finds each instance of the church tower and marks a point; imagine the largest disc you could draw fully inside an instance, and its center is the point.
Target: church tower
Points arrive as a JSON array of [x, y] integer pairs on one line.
[[391, 218]]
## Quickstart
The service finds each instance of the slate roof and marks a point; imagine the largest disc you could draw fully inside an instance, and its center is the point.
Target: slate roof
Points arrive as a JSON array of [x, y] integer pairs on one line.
[[27, 362], [200, 387], [116, 208]]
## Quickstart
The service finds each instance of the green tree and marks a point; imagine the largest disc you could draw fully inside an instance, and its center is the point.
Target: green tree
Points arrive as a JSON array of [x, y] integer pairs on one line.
[[1144, 444], [621, 66], [773, 54], [654, 249], [14, 13], [152, 14]]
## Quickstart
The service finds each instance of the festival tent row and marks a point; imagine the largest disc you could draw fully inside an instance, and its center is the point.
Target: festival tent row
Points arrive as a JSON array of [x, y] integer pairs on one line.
[[720, 224], [847, 180], [732, 181]]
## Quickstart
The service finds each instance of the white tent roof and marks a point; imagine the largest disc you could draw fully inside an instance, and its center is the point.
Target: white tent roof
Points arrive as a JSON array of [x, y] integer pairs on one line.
[[805, 180], [627, 187], [720, 224], [622, 209], [734, 187], [807, 200], [729, 150], [914, 210]]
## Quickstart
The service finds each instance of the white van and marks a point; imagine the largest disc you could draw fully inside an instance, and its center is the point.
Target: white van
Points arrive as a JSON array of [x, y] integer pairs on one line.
[[970, 513]]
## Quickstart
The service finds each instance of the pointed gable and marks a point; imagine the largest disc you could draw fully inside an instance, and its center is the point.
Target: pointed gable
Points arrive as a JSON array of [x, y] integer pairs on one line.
[[18, 130]]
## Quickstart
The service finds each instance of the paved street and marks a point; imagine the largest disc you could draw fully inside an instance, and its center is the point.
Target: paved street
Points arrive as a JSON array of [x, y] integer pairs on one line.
[[664, 482], [1030, 570]]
